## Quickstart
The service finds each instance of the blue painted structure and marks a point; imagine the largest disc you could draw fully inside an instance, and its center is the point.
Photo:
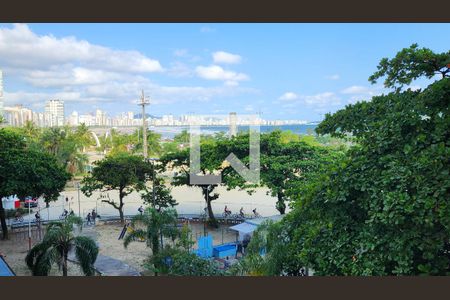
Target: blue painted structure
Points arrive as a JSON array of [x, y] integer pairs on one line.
[[5, 270], [225, 250], [205, 247]]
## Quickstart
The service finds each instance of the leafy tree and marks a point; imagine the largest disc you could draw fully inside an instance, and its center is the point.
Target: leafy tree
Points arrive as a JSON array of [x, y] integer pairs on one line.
[[52, 139], [285, 161], [83, 137], [123, 172], [272, 251], [70, 155], [182, 138], [54, 248], [185, 239], [169, 147], [410, 64], [27, 172], [209, 164], [159, 196], [383, 210], [152, 226], [184, 263]]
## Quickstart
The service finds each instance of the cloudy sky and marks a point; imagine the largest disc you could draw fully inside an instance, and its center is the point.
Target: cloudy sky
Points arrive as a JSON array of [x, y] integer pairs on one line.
[[284, 71]]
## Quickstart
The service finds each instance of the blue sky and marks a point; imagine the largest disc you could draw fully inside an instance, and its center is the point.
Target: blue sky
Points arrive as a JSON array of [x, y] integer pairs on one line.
[[284, 71]]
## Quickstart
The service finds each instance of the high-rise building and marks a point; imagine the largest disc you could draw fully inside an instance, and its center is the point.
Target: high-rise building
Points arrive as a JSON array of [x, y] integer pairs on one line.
[[233, 125], [1, 93], [54, 109]]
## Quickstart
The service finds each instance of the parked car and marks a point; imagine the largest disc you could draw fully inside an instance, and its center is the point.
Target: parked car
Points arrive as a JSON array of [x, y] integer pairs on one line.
[[30, 202]]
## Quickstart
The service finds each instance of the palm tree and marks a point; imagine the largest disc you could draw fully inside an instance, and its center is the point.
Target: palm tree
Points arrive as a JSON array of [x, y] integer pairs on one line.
[[52, 139], [152, 226], [83, 136], [55, 247], [31, 130]]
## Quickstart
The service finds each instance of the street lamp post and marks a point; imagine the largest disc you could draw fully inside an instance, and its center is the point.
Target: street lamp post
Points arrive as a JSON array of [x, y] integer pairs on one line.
[[152, 161], [79, 205], [29, 225], [206, 210]]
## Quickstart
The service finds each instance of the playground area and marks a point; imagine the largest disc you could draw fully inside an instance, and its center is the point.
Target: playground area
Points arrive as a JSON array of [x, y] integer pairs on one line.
[[15, 249], [110, 245]]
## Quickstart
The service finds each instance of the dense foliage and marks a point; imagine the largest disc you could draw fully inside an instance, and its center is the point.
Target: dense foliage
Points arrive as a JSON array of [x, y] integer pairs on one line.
[[54, 248], [152, 226], [25, 171], [122, 172], [383, 209]]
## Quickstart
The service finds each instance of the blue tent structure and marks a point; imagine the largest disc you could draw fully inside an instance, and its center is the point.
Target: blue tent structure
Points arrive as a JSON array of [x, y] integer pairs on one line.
[[5, 269], [205, 247]]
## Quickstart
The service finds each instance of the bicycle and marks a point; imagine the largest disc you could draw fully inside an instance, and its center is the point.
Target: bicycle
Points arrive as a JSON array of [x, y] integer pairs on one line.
[[238, 216], [226, 214], [18, 219]]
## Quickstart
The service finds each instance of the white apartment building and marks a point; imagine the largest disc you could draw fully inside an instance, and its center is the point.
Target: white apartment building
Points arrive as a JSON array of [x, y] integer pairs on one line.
[[73, 119], [54, 110]]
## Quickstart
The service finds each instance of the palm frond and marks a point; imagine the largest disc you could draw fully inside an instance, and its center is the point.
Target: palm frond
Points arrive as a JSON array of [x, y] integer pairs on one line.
[[132, 236], [140, 219], [41, 258], [86, 251]]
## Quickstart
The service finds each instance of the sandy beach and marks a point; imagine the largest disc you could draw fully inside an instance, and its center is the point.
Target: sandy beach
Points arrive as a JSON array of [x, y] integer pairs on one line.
[[15, 249], [137, 252]]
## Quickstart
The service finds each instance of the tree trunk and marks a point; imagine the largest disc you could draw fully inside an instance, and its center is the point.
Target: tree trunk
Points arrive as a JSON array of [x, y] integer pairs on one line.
[[64, 266], [212, 220], [281, 206], [155, 250], [3, 220], [122, 218]]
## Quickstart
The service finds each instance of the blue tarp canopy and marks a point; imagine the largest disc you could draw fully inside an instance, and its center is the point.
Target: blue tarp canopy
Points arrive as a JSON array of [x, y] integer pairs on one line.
[[5, 270]]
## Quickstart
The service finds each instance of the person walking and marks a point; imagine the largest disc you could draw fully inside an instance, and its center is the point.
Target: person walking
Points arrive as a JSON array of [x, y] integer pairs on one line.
[[88, 219], [245, 243], [94, 216]]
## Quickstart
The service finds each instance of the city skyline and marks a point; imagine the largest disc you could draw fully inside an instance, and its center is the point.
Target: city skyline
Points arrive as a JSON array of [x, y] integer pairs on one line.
[[281, 71]]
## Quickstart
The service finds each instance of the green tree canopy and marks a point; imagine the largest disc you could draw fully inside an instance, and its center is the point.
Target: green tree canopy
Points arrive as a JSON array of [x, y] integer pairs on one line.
[[383, 209], [152, 226], [122, 172], [410, 64], [27, 172], [158, 196]]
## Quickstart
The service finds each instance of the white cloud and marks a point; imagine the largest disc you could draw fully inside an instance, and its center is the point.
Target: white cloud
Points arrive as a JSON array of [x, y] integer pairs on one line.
[[22, 48], [361, 93], [356, 89], [288, 96], [318, 102], [179, 69], [180, 52], [207, 29], [77, 71], [333, 77], [322, 99], [222, 57], [215, 72]]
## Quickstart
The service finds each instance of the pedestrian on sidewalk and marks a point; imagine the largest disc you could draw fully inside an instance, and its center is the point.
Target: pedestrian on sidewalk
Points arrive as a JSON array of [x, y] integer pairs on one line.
[[88, 219], [94, 216]]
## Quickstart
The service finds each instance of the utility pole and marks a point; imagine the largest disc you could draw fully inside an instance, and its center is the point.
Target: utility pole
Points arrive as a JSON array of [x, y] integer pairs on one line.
[[143, 103], [79, 205]]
